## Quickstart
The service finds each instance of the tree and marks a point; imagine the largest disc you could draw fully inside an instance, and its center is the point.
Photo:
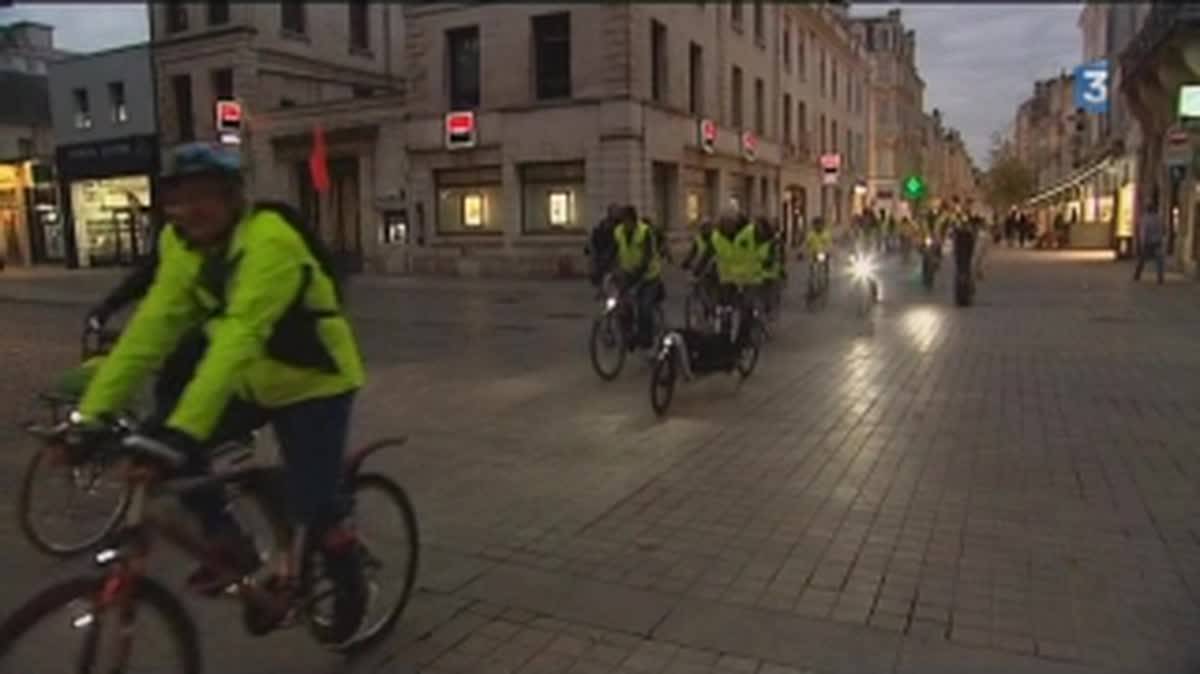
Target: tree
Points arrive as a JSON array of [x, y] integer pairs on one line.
[[1008, 181]]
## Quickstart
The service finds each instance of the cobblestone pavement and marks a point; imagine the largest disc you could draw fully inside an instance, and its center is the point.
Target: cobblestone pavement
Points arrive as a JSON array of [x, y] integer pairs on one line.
[[1005, 488]]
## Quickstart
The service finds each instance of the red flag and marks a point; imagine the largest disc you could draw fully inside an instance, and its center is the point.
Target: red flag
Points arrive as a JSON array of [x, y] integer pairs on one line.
[[316, 161]]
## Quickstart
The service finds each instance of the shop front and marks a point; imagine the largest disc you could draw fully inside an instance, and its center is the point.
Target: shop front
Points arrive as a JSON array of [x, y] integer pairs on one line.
[[108, 191]]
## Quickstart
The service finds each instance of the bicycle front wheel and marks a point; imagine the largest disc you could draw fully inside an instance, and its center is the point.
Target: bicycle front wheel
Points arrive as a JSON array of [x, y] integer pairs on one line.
[[65, 628], [64, 508]]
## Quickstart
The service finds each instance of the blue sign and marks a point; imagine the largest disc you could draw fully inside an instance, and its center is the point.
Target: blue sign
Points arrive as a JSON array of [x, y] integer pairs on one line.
[[1091, 87]]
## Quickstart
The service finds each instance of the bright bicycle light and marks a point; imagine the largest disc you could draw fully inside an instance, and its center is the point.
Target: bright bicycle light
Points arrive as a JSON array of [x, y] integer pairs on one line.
[[610, 303], [820, 257], [862, 266]]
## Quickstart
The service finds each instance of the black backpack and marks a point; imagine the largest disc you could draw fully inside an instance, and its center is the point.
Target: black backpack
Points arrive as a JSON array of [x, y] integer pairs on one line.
[[311, 239]]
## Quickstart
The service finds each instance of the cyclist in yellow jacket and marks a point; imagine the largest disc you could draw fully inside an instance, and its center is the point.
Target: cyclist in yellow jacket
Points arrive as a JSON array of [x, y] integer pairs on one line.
[[640, 263], [279, 350]]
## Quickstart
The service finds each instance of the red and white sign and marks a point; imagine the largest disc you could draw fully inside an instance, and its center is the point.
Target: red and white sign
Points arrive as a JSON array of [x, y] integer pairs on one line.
[[229, 115], [831, 166], [460, 130], [708, 135], [749, 145]]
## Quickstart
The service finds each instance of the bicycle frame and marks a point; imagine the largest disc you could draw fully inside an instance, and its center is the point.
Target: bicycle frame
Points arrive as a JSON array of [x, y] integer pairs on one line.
[[128, 547]]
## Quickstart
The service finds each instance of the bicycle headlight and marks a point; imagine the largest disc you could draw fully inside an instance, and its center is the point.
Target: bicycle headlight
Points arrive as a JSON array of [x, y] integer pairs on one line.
[[610, 304], [862, 266], [820, 257]]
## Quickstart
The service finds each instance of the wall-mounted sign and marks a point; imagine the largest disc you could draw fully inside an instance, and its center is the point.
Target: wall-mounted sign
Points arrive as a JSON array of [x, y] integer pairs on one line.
[[831, 167], [749, 145], [460, 130], [1091, 87], [707, 130], [229, 121]]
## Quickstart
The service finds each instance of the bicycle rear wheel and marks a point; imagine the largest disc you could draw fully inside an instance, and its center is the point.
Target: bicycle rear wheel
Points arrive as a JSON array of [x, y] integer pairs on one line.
[[44, 627], [389, 550]]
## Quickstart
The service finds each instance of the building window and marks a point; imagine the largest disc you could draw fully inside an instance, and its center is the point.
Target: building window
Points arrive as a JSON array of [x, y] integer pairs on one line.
[[177, 16], [658, 61], [736, 13], [116, 102], [291, 17], [222, 84], [801, 55], [24, 147], [185, 121], [787, 119], [360, 33], [695, 79], [736, 98], [552, 54], [833, 135], [821, 66], [469, 200], [83, 109], [802, 123], [833, 89], [462, 47], [787, 44], [760, 110], [218, 12], [823, 145], [850, 147], [552, 197], [759, 23]]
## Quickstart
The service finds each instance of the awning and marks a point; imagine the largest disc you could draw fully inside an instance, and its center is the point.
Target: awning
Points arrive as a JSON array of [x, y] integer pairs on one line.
[[1075, 179]]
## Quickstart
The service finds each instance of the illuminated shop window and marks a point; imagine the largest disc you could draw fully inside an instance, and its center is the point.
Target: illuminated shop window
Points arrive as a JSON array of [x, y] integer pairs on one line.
[[552, 198], [472, 210]]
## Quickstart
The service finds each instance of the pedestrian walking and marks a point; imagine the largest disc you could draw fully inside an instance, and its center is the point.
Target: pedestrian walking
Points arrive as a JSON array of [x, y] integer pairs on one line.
[[1150, 240]]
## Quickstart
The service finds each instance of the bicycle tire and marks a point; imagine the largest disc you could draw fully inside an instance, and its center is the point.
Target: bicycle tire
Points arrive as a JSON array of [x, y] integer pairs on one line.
[[147, 590], [597, 325], [663, 374], [37, 538], [364, 639]]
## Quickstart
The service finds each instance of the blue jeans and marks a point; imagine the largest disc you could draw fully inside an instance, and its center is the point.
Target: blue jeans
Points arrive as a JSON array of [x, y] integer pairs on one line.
[[312, 441]]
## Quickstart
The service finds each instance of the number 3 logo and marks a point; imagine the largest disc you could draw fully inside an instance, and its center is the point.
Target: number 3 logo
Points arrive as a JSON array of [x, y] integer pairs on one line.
[[1096, 87]]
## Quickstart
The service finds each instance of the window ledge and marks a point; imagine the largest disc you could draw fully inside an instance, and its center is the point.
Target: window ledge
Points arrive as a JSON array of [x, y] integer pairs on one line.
[[737, 25], [293, 35], [362, 52]]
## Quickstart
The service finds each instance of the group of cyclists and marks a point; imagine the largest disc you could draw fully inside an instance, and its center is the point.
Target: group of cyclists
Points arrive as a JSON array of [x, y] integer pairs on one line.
[[735, 260]]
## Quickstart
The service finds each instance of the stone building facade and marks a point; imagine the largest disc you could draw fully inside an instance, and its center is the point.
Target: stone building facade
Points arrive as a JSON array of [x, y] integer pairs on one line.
[[897, 118], [580, 106], [679, 109], [296, 66]]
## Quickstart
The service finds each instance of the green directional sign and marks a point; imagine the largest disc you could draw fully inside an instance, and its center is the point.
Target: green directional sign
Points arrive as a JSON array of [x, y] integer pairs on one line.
[[914, 187]]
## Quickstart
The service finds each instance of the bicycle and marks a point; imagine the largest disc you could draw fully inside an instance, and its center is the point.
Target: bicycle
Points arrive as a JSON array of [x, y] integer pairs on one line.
[[83, 471], [122, 593], [615, 327], [699, 305], [818, 282]]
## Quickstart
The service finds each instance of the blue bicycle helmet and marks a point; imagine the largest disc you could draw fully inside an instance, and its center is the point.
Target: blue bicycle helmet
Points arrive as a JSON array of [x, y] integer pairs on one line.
[[202, 159]]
